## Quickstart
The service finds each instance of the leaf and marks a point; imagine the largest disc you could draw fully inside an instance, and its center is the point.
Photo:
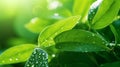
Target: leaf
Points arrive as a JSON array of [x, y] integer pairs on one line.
[[81, 41], [108, 17], [114, 64], [103, 8], [36, 25], [46, 37], [81, 7], [115, 28], [16, 54], [39, 58]]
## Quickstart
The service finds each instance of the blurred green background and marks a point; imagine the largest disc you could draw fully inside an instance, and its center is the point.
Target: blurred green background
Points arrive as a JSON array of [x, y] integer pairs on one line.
[[15, 14]]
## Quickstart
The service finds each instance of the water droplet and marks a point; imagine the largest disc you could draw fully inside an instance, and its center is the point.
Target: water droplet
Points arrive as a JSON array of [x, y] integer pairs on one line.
[[53, 55], [16, 59], [93, 35], [56, 14], [39, 53], [10, 59], [34, 52], [28, 65], [32, 66], [43, 54], [36, 62]]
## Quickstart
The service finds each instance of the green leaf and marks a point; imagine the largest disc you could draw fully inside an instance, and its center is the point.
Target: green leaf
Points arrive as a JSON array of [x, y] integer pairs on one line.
[[16, 54], [103, 8], [80, 40], [114, 64], [115, 28], [36, 25], [81, 7], [46, 37], [108, 17]]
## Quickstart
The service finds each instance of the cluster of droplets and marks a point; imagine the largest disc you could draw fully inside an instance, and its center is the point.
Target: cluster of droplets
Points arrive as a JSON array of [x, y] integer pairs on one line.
[[93, 10], [39, 58], [10, 60]]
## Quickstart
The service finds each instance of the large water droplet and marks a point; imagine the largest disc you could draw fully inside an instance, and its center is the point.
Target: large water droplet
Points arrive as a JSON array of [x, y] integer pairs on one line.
[[53, 55], [10, 59], [16, 59], [28, 65]]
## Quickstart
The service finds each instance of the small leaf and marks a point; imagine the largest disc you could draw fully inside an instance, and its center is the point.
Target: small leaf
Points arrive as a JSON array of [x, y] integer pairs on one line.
[[80, 40], [108, 17], [81, 7], [36, 25], [46, 37], [39, 58], [115, 28], [16, 54], [103, 8]]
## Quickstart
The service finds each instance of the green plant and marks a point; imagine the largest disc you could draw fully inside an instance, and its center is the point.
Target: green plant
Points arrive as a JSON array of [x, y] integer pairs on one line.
[[76, 37]]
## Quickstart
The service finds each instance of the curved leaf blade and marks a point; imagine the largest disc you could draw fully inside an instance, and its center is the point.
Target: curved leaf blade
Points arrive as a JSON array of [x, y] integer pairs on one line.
[[108, 17], [103, 8], [46, 37], [16, 54], [80, 40], [81, 7]]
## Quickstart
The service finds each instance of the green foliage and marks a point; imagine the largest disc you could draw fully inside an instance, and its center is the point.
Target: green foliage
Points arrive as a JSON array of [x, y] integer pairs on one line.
[[16, 54], [81, 7], [72, 33], [81, 41], [46, 36], [104, 18]]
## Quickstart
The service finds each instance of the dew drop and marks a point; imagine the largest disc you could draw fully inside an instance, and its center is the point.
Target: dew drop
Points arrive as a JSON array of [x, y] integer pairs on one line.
[[16, 59], [93, 35], [32, 66], [10, 59], [28, 65], [56, 14], [43, 54], [36, 62], [53, 55]]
